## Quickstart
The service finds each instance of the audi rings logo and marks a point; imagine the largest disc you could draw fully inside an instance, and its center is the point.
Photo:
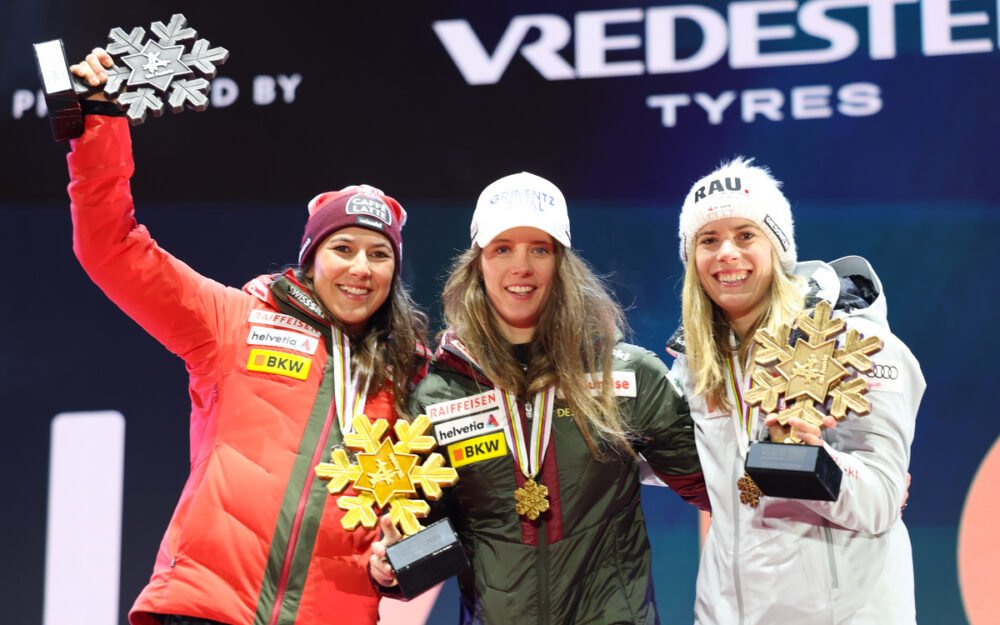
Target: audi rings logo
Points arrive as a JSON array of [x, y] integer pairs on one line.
[[883, 372]]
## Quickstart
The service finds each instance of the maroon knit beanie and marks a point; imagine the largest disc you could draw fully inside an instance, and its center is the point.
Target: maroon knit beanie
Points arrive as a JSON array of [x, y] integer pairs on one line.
[[357, 205]]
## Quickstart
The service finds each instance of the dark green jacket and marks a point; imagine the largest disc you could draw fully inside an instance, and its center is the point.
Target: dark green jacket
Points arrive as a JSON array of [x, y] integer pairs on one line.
[[587, 559]]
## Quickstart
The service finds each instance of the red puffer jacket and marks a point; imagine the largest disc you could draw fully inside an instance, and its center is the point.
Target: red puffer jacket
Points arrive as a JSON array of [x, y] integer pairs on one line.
[[255, 537]]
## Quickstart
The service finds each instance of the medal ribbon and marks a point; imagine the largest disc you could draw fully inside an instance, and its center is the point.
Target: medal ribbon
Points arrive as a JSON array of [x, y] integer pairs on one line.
[[529, 459], [747, 415], [348, 396]]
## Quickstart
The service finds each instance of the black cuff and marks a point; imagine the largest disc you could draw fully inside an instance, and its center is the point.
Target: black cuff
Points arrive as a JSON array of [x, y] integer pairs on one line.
[[101, 107], [394, 592]]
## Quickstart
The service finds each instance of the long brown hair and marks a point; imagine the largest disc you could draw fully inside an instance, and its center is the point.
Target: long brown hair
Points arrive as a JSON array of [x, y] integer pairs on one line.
[[575, 335], [386, 350]]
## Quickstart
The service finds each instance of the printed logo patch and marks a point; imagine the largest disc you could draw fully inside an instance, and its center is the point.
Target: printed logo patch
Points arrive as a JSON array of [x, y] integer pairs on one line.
[[282, 338], [368, 222], [477, 449], [370, 205], [258, 289], [733, 184], [675, 382], [466, 427], [885, 376], [288, 365], [623, 381], [284, 321], [778, 232], [527, 197], [463, 406], [305, 246], [305, 301]]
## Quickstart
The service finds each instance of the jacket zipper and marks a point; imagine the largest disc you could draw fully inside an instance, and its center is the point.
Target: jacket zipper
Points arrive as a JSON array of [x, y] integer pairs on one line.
[[830, 554], [736, 551], [542, 550], [293, 536], [543, 571]]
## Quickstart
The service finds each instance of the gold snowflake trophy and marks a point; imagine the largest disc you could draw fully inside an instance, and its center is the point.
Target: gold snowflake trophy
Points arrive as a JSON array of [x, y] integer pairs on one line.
[[812, 380], [385, 477]]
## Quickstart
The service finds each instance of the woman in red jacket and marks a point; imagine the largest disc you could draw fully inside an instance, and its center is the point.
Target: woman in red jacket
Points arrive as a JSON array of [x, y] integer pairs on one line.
[[277, 372]]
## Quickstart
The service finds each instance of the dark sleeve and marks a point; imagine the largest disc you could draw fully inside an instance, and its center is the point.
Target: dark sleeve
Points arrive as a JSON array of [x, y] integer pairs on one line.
[[662, 420], [416, 407], [429, 391], [101, 107], [393, 592]]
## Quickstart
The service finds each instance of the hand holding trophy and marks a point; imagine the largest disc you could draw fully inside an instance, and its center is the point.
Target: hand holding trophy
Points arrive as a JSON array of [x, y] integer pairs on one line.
[[814, 383], [134, 72], [385, 476]]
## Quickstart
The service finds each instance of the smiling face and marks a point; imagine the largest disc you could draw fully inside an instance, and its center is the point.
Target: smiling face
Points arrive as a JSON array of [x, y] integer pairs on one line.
[[352, 274], [735, 267], [518, 266]]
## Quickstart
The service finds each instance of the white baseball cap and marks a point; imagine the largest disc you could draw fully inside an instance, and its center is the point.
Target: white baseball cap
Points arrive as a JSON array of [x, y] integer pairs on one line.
[[520, 200]]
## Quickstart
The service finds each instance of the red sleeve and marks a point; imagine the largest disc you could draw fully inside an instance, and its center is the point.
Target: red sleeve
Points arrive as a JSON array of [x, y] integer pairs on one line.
[[691, 488], [179, 307], [423, 364]]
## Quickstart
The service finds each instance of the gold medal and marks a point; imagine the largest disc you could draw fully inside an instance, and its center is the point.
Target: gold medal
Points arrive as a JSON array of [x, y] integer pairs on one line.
[[532, 499], [749, 492]]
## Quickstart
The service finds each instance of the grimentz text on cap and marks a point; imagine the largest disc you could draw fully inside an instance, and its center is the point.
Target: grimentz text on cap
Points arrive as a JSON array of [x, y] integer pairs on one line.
[[531, 198]]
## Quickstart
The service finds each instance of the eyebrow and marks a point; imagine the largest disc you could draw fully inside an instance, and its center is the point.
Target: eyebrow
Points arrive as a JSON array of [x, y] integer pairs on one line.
[[349, 239], [746, 226], [536, 242]]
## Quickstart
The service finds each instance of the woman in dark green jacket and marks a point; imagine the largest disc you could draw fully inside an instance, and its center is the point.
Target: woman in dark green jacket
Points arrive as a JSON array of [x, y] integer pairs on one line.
[[545, 414]]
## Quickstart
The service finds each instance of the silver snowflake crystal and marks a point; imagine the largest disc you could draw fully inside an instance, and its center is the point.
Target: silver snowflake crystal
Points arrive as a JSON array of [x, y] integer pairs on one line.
[[148, 70]]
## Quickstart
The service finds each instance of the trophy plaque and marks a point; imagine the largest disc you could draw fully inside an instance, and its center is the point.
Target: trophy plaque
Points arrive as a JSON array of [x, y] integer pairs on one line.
[[385, 475], [811, 379], [173, 64]]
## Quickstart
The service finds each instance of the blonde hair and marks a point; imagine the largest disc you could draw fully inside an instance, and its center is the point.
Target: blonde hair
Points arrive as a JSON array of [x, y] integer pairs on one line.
[[707, 334], [575, 335]]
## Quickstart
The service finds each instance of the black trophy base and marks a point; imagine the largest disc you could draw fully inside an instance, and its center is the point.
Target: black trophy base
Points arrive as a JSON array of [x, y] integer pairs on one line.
[[62, 90], [794, 471], [427, 558]]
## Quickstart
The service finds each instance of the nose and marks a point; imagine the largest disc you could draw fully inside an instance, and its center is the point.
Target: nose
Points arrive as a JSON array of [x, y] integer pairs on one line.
[[728, 250], [360, 266], [522, 262]]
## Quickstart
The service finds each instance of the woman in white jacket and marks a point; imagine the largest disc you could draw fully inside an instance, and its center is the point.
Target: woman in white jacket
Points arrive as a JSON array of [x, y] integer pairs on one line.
[[789, 560]]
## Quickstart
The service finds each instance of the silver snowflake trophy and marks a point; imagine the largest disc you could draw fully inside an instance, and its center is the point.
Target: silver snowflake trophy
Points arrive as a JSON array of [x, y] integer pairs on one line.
[[152, 69], [171, 68]]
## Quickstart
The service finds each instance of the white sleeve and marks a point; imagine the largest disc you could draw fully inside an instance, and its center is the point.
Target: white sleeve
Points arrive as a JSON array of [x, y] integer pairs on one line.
[[874, 450]]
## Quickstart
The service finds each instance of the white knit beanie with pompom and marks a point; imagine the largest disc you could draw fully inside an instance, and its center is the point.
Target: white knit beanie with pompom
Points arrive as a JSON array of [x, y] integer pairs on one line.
[[740, 189]]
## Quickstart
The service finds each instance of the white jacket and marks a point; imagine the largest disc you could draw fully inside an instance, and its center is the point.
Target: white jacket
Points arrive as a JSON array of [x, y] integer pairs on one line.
[[816, 562]]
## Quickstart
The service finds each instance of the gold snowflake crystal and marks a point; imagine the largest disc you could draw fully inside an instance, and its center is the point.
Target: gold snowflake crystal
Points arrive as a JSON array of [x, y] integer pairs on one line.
[[532, 499], [812, 371], [386, 474], [750, 493]]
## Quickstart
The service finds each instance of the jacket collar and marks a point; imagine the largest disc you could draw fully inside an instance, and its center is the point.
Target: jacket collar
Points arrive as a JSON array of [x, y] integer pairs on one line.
[[452, 354]]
